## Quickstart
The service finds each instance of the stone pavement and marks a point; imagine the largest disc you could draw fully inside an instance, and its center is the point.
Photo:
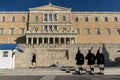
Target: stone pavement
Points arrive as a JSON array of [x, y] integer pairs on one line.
[[53, 71]]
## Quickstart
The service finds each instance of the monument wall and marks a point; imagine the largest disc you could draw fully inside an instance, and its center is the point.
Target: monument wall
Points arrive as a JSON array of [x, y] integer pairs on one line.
[[47, 55]]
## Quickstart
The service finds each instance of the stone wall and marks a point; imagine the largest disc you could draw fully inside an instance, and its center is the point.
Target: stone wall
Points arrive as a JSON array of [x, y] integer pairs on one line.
[[48, 55]]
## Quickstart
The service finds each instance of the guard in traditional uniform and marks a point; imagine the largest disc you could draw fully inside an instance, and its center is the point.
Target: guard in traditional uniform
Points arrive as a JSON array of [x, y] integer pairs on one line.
[[33, 61], [80, 61], [100, 61], [91, 61]]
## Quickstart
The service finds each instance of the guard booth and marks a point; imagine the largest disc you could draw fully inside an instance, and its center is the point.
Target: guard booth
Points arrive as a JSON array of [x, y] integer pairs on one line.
[[7, 56]]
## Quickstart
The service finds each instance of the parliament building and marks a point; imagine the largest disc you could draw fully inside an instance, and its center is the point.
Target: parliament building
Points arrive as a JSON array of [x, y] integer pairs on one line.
[[50, 29]]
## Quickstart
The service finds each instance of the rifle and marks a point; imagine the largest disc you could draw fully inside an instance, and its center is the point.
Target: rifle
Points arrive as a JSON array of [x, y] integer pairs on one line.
[[99, 48], [91, 48], [78, 48]]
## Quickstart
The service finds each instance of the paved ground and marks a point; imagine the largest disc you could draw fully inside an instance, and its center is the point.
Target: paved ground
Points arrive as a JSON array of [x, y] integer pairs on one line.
[[56, 74], [64, 77], [53, 71]]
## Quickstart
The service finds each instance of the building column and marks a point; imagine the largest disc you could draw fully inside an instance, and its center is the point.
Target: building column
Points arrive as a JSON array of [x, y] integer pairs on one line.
[[26, 40], [31, 40], [59, 40], [37, 40], [64, 40], [47, 27], [43, 40], [53, 40]]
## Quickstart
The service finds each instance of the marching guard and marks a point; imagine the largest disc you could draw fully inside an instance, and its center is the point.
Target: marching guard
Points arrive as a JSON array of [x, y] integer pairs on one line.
[[100, 61], [80, 61], [91, 61]]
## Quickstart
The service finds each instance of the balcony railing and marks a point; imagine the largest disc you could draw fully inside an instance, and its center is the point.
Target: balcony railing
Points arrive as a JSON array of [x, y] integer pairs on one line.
[[49, 23], [52, 32]]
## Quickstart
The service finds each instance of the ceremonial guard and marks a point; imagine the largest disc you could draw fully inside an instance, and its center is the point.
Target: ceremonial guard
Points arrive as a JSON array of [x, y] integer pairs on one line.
[[100, 61], [91, 61], [79, 61]]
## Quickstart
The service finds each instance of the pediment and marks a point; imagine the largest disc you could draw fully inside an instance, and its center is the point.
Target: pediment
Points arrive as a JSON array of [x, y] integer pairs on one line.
[[50, 7]]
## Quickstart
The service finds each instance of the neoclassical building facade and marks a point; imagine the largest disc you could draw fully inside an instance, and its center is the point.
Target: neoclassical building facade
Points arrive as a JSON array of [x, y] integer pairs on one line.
[[51, 24], [54, 33]]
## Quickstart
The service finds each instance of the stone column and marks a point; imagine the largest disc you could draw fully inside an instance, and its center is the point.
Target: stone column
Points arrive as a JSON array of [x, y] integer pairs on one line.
[[43, 40], [64, 40], [26, 40], [47, 27], [31, 40], [59, 41], [53, 40], [37, 40]]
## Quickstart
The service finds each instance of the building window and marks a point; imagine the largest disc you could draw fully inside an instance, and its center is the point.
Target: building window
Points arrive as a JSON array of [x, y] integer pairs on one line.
[[22, 30], [45, 17], [76, 19], [36, 18], [50, 17], [108, 31], [97, 31], [1, 31], [13, 19], [50, 27], [115, 19], [118, 30], [87, 30], [45, 28], [64, 18], [78, 30], [2, 18], [86, 19], [96, 19], [55, 27], [106, 19], [23, 18], [54, 17], [5, 53], [11, 31]]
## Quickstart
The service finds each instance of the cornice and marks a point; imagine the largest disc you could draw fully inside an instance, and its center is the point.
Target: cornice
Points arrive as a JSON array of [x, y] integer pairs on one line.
[[95, 12], [14, 12]]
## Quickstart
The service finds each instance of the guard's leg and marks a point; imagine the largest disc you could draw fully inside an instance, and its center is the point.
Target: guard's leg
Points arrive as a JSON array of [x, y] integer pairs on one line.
[[80, 69], [30, 66], [101, 69], [92, 69], [33, 65]]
